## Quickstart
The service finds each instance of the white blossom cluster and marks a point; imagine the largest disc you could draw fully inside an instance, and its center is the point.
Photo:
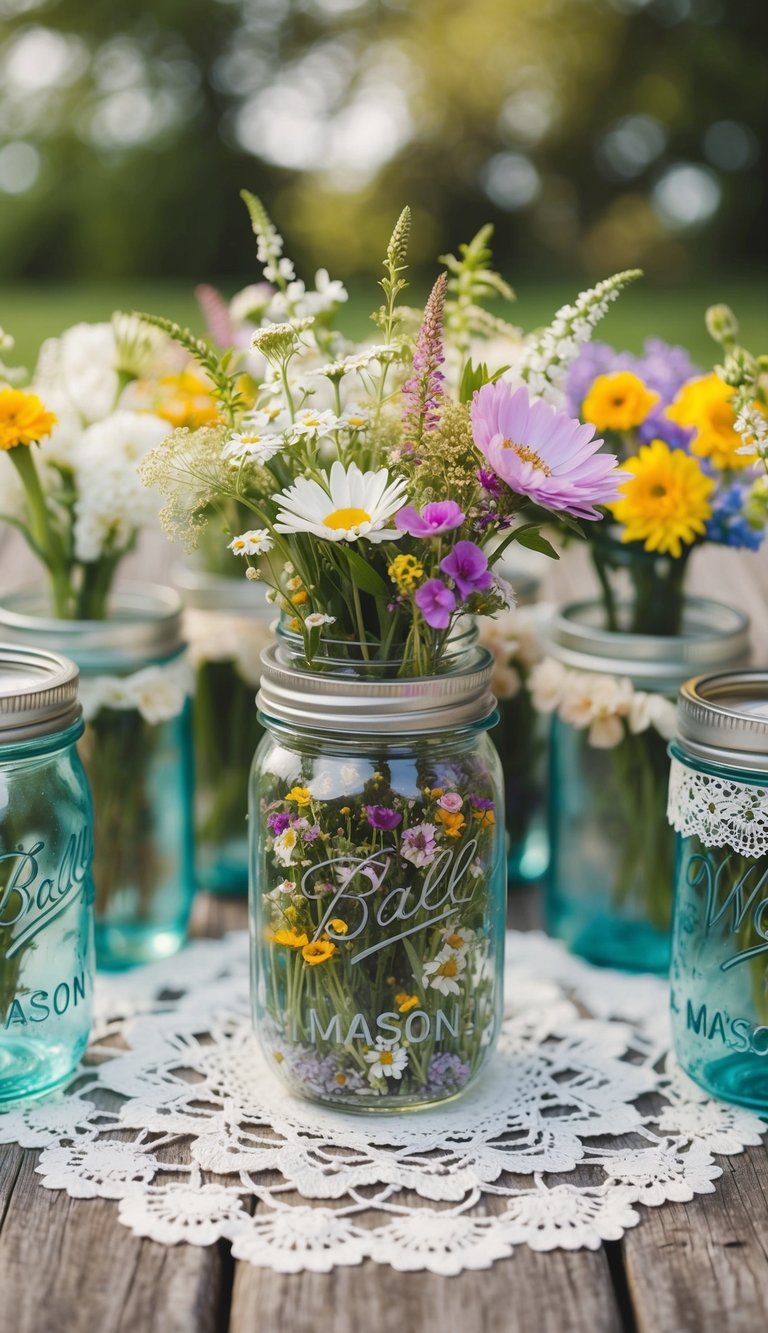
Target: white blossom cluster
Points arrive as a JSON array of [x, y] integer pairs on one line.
[[606, 705], [112, 503], [546, 357], [157, 693], [89, 463]]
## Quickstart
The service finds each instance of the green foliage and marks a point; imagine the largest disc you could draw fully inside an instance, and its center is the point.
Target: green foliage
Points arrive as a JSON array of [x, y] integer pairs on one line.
[[474, 377]]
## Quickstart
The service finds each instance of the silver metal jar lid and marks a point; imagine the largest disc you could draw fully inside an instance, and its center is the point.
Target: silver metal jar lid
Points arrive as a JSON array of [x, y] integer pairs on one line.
[[723, 719], [38, 694], [317, 701], [714, 636], [144, 625]]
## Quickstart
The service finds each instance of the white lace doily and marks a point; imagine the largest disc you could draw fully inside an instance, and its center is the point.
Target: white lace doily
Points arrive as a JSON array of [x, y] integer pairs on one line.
[[718, 811], [179, 1120]]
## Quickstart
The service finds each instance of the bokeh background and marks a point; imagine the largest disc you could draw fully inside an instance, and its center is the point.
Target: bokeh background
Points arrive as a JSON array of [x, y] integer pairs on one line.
[[594, 134]]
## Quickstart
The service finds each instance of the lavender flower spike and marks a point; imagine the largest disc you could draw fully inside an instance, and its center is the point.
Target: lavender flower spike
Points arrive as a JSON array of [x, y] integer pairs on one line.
[[423, 392]]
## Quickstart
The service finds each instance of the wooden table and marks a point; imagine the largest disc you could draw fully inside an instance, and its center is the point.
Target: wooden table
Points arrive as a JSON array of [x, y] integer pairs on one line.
[[68, 1266]]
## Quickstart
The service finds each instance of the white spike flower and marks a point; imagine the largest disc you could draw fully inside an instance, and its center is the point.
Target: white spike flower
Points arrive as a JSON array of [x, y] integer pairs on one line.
[[355, 504]]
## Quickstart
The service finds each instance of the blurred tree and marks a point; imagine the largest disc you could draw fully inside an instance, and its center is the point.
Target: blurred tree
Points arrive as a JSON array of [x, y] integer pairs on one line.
[[595, 133]]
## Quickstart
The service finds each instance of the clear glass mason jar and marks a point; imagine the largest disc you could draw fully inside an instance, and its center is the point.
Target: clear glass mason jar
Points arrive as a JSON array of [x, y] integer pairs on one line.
[[718, 805], [378, 880], [227, 622], [46, 889], [609, 886], [137, 749]]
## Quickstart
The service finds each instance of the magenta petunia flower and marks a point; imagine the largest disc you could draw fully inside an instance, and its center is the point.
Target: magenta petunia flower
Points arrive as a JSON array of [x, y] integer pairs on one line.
[[434, 519], [436, 603], [468, 567], [542, 453], [379, 816]]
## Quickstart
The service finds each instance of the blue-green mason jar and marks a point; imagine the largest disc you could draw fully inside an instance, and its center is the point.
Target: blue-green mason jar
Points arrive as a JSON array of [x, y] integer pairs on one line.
[[135, 687], [46, 889], [718, 805], [609, 884], [378, 879], [227, 622]]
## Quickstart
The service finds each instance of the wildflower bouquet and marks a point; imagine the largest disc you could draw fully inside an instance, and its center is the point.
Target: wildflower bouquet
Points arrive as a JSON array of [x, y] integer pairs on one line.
[[384, 482], [382, 496], [692, 447], [688, 441], [101, 397]]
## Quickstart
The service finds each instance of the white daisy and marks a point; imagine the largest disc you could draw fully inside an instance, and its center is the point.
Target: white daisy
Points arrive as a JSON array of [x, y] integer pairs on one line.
[[356, 504], [387, 1060], [256, 541], [458, 938], [251, 442], [442, 973], [315, 424], [284, 846], [355, 418]]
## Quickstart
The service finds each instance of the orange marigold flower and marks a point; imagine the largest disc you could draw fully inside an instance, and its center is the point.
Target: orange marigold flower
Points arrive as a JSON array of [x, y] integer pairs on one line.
[[452, 822], [24, 418]]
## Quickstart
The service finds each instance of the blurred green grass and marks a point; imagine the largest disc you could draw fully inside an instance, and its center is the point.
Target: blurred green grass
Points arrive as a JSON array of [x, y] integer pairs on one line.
[[33, 311]]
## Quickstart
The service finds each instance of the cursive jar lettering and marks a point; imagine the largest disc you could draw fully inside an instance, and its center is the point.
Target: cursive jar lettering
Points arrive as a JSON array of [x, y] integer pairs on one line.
[[436, 900], [732, 903], [31, 898]]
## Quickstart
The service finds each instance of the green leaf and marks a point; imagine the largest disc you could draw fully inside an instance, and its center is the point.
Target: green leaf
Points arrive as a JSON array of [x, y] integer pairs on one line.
[[534, 541], [366, 578]]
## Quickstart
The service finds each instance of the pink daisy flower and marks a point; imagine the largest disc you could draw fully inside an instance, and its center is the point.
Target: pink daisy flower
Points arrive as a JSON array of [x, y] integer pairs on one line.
[[542, 453]]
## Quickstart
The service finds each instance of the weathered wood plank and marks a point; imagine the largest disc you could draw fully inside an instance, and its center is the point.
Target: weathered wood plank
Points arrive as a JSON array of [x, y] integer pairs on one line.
[[551, 1293], [68, 1266], [702, 1267]]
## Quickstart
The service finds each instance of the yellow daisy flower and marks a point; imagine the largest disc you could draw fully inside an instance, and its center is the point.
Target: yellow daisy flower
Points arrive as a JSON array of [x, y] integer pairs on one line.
[[293, 939], [301, 795], [665, 501], [406, 1002], [706, 405], [618, 402], [318, 952], [338, 926], [184, 399], [24, 419]]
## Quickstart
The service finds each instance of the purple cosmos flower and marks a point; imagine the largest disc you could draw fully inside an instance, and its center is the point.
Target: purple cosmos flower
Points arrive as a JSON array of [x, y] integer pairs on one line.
[[468, 567], [379, 816], [440, 516], [418, 844], [278, 823], [542, 453], [436, 603]]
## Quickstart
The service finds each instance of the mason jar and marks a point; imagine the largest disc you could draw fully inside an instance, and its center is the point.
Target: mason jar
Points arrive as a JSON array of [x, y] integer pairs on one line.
[[137, 750], [718, 805], [46, 889], [378, 879], [227, 622], [609, 887]]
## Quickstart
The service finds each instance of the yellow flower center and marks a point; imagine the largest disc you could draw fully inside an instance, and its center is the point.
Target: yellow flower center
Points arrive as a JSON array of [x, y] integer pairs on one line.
[[449, 968], [340, 1079], [455, 941], [527, 455], [386, 1058], [343, 519]]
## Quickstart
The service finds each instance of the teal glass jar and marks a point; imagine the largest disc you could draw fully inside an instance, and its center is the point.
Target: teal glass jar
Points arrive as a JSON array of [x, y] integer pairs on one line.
[[609, 886], [378, 880], [135, 687], [718, 805], [46, 889], [227, 622]]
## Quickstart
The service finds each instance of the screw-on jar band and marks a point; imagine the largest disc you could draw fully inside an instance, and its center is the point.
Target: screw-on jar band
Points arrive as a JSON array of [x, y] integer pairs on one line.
[[38, 694], [722, 719]]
